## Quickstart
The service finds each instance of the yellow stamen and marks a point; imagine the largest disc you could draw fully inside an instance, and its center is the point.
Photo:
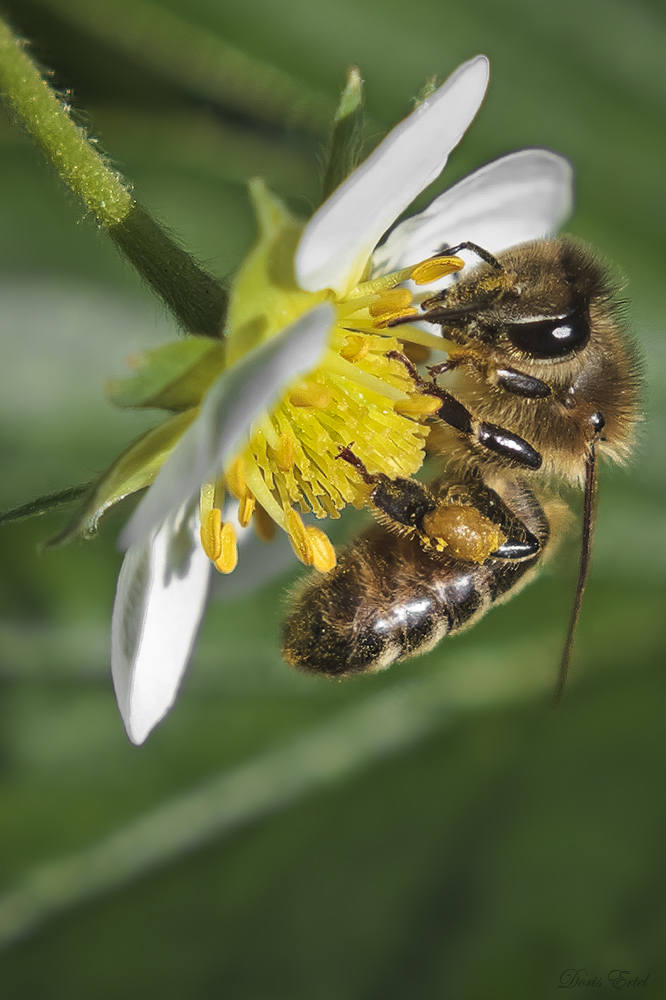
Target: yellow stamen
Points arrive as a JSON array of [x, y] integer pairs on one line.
[[228, 557], [435, 268], [310, 394], [206, 499], [377, 285], [322, 552], [298, 537], [211, 533], [386, 318], [264, 525], [285, 452], [430, 340], [417, 406], [236, 483], [390, 300], [355, 348], [246, 509], [261, 488], [335, 365]]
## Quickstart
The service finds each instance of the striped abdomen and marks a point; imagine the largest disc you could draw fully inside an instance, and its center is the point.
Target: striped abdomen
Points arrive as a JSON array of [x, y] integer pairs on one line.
[[389, 599]]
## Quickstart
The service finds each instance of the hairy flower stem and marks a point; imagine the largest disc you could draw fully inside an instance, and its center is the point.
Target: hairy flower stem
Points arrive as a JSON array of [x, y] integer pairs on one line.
[[197, 300]]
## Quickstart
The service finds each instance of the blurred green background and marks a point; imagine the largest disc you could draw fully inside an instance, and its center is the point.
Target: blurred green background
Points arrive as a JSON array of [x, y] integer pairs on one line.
[[434, 832]]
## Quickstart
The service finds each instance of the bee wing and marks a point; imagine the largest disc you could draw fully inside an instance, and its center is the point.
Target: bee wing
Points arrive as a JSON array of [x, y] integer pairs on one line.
[[522, 196]]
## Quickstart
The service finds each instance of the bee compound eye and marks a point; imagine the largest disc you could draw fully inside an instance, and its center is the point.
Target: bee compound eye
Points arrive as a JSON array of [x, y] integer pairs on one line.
[[551, 337]]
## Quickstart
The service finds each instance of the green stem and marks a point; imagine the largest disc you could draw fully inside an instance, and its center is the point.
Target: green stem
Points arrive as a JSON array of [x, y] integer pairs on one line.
[[64, 143], [195, 297]]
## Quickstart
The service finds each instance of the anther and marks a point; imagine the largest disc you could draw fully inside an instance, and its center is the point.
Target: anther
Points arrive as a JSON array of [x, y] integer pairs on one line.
[[211, 533], [228, 557], [285, 453], [264, 525], [235, 479], [321, 551], [418, 406], [390, 301], [298, 537], [311, 394], [355, 347], [246, 509], [435, 268], [399, 314]]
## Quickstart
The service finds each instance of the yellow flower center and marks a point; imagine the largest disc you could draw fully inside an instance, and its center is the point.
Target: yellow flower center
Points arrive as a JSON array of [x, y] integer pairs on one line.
[[361, 397]]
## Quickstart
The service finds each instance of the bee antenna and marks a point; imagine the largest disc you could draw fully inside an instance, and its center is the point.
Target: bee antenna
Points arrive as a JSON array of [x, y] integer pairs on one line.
[[583, 570]]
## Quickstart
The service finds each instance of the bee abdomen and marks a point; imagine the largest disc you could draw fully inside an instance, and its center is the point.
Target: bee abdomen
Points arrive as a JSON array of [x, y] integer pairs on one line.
[[387, 600]]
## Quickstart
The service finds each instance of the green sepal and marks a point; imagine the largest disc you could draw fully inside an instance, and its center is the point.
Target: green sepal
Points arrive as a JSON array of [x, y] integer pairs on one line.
[[175, 376], [345, 149], [45, 504], [133, 470]]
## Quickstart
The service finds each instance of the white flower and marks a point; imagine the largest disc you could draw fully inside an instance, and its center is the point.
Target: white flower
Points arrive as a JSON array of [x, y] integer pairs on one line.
[[164, 579]]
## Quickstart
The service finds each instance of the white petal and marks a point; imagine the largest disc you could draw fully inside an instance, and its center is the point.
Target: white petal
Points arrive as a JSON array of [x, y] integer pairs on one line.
[[231, 405], [160, 598], [522, 196], [342, 234]]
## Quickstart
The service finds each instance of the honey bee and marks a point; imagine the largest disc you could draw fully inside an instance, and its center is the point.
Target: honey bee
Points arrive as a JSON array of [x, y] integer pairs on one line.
[[542, 378]]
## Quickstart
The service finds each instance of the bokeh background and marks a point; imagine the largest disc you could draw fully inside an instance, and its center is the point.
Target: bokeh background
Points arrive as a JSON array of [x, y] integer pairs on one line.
[[434, 832]]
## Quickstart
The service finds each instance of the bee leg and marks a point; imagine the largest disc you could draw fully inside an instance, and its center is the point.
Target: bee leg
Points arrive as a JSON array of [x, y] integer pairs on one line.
[[468, 521], [520, 384], [475, 248], [447, 366], [401, 504], [499, 440], [510, 379], [471, 507]]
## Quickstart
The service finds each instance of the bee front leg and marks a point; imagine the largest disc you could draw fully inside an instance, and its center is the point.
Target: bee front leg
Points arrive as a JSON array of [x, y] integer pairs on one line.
[[498, 440], [520, 384]]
